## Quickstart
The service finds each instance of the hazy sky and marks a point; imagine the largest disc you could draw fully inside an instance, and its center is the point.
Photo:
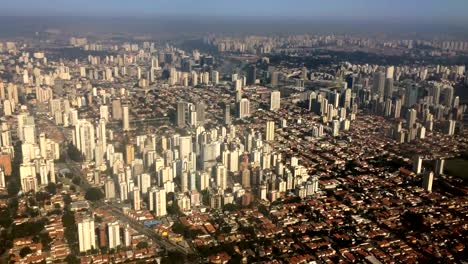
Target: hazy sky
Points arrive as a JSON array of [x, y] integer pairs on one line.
[[313, 9]]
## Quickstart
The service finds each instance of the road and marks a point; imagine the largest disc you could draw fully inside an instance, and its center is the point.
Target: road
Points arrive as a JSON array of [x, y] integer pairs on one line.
[[138, 226]]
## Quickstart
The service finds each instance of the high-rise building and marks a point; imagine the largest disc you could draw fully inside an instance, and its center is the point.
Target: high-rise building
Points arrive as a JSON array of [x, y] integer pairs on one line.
[[109, 188], [270, 131], [427, 181], [227, 114], [397, 109], [411, 118], [378, 83], [244, 108], [215, 77], [448, 96], [336, 128], [144, 182], [439, 166], [157, 201], [181, 109], [435, 92], [104, 112], [304, 73], [390, 72], [274, 78], [251, 75], [221, 177], [411, 95], [417, 165], [136, 199], [129, 154], [450, 127], [116, 109], [388, 93], [86, 234], [125, 118], [200, 109], [113, 230], [275, 99], [83, 138], [185, 147], [245, 178]]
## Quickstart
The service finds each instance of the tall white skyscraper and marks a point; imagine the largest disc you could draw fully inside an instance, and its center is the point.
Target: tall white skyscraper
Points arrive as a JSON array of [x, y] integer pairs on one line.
[[411, 118], [244, 108], [157, 201], [86, 234], [221, 176], [215, 77], [427, 181], [125, 118], [136, 199], [275, 99], [113, 232], [270, 131], [417, 165], [83, 138], [109, 188], [104, 112]]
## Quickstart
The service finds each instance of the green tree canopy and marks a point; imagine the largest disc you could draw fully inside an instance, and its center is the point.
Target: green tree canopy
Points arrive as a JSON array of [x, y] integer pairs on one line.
[[94, 194]]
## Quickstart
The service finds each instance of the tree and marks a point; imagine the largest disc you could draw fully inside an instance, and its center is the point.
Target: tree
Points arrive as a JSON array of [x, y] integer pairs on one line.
[[178, 228], [67, 199], [142, 244], [51, 188], [74, 153], [94, 194], [68, 220], [76, 180], [25, 251], [174, 257], [230, 207], [72, 259]]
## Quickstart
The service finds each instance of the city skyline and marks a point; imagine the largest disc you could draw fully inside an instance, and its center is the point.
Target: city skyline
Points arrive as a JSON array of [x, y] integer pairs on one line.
[[233, 131]]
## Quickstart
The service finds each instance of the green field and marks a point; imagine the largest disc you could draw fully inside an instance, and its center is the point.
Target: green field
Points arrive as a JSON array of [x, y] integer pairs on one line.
[[457, 167]]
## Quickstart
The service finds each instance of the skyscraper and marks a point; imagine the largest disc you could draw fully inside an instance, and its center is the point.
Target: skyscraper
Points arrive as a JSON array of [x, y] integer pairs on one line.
[[274, 78], [116, 109], [86, 234], [275, 99], [113, 231], [227, 114], [215, 77], [379, 83], [417, 165], [109, 188], [181, 114], [411, 118], [251, 75], [388, 93], [83, 138], [244, 108], [427, 181], [136, 199], [126, 118], [221, 176], [200, 109], [270, 131], [411, 95], [448, 96]]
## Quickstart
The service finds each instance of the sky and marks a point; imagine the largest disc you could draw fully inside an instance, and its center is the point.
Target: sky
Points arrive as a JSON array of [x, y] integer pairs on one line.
[[428, 10]]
